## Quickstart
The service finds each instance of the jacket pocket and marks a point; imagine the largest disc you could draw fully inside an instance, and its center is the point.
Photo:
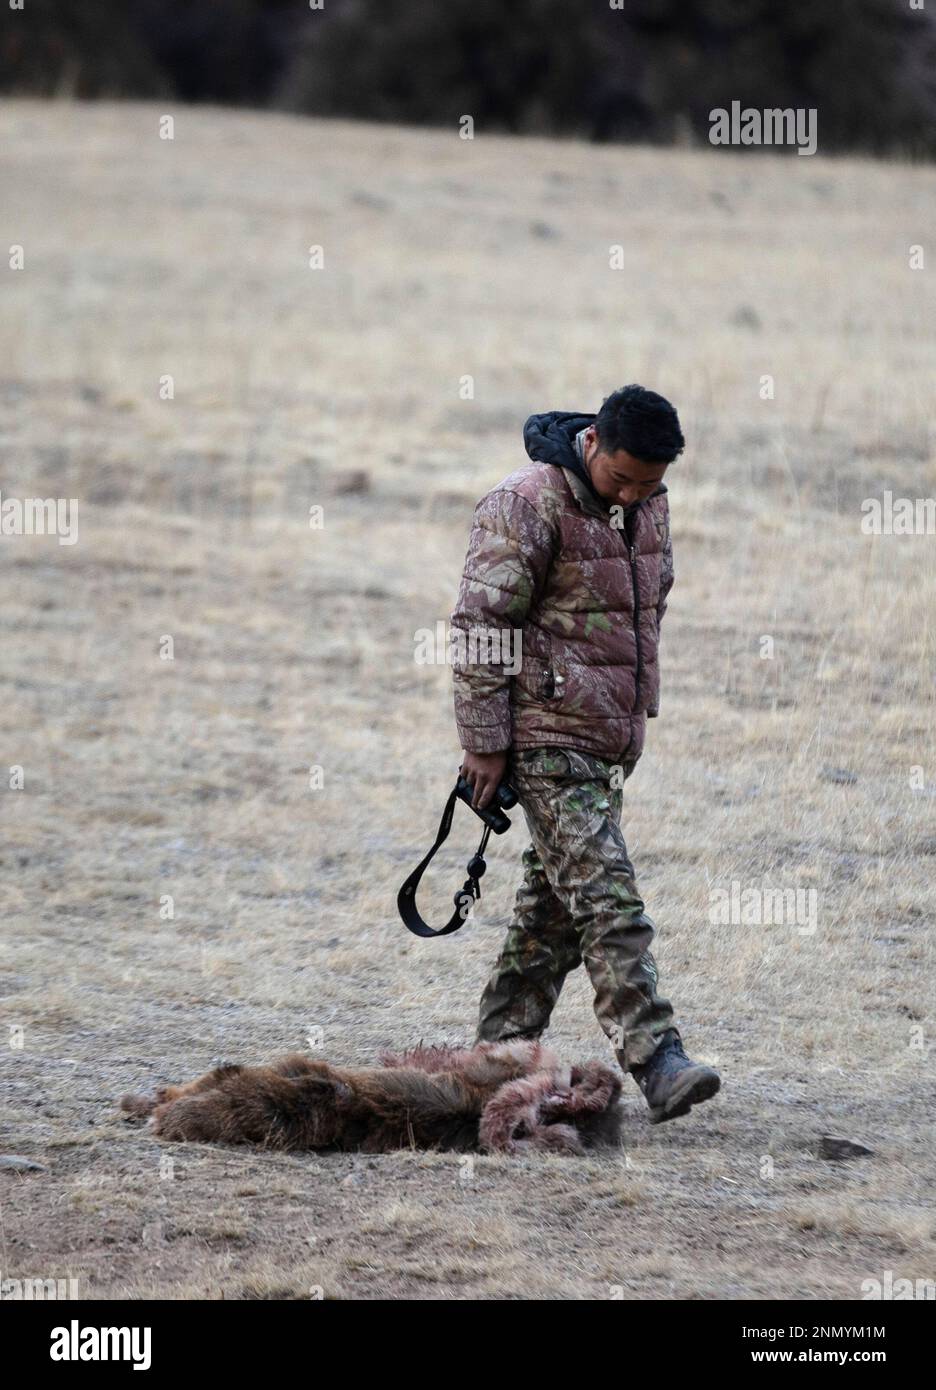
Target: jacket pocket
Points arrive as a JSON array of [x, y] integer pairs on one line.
[[552, 685]]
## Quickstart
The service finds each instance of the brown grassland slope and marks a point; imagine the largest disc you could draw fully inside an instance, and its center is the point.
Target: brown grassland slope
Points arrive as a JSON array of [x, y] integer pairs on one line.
[[293, 648]]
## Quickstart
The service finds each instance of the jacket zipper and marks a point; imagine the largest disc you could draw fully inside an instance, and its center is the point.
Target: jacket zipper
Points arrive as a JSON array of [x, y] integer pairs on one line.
[[634, 581]]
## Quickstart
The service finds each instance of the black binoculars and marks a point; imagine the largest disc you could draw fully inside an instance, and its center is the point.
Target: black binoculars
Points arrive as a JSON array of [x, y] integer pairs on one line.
[[493, 814]]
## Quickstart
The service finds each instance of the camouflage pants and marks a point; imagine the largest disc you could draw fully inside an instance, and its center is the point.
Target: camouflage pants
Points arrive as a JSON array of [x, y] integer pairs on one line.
[[578, 902]]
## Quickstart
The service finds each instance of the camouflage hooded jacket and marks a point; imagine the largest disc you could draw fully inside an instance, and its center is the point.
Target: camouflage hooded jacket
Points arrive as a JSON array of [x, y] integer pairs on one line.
[[585, 588]]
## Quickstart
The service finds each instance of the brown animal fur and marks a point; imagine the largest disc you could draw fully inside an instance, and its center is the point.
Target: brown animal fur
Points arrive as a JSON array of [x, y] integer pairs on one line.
[[497, 1097]]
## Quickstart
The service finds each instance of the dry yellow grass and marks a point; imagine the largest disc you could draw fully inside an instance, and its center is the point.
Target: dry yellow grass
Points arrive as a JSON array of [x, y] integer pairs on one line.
[[293, 647]]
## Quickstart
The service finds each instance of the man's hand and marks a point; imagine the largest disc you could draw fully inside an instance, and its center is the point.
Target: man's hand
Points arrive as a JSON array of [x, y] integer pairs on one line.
[[485, 772]]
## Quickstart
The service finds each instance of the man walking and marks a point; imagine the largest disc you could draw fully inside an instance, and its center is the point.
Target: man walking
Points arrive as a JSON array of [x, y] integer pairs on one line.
[[573, 550]]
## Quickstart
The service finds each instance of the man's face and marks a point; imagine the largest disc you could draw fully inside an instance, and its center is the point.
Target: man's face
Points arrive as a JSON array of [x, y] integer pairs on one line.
[[620, 478]]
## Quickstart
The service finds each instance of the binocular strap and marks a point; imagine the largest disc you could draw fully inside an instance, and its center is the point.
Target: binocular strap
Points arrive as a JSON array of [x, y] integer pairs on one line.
[[466, 895]]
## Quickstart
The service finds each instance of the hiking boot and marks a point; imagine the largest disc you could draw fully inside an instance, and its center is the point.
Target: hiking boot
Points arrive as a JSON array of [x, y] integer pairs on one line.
[[671, 1083]]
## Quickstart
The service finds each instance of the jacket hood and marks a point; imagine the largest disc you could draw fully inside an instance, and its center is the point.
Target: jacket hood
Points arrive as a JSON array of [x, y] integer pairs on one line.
[[550, 438]]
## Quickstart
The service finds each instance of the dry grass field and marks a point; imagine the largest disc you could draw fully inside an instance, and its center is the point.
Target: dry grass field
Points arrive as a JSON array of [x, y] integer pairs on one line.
[[293, 648]]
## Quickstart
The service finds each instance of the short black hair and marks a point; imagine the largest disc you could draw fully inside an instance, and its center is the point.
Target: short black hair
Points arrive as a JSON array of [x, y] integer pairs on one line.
[[643, 423]]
